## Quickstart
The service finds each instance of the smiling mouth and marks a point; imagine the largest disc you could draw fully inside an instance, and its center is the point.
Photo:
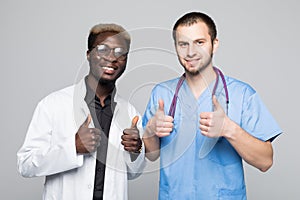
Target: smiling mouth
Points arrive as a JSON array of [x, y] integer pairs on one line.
[[108, 68], [192, 62]]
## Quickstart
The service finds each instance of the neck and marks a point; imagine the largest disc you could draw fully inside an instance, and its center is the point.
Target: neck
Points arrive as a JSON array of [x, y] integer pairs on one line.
[[198, 83], [101, 89]]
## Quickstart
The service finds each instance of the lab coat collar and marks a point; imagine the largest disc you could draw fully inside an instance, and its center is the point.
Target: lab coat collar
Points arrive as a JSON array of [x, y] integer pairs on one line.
[[90, 95], [81, 110]]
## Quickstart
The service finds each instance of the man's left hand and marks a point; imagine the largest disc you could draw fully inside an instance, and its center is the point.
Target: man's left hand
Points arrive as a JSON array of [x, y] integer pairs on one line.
[[131, 138], [212, 123]]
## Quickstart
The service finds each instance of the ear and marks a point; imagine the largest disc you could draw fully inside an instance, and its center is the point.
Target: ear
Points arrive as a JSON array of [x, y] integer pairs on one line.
[[216, 45], [88, 55]]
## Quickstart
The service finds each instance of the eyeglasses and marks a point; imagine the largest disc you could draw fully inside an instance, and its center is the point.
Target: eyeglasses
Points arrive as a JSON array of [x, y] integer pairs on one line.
[[119, 52]]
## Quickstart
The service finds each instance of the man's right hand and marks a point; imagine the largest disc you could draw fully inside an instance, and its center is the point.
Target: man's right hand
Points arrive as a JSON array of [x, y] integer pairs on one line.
[[160, 124], [87, 139]]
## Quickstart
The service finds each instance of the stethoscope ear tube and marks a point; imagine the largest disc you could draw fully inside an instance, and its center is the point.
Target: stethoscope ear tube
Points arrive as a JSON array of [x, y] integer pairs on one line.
[[174, 101], [180, 82]]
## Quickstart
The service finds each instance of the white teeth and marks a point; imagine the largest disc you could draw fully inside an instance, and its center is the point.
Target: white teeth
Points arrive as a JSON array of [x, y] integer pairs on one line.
[[108, 68]]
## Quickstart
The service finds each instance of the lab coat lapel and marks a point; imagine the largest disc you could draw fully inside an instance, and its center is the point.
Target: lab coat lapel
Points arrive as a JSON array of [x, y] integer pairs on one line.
[[120, 121], [115, 164], [81, 110]]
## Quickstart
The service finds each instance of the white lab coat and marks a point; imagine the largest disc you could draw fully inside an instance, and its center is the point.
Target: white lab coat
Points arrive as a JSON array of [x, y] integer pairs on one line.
[[49, 148]]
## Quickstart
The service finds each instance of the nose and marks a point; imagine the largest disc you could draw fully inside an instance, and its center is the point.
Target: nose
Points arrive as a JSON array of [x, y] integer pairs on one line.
[[110, 56], [191, 51]]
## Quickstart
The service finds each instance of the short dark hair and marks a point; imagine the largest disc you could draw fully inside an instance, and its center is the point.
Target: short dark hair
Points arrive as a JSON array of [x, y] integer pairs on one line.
[[101, 28], [195, 17]]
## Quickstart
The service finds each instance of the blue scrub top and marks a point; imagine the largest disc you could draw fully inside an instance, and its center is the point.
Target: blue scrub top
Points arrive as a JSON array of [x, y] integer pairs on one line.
[[218, 175]]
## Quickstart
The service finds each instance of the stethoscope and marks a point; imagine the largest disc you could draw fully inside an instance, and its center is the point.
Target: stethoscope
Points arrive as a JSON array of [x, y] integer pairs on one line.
[[181, 80]]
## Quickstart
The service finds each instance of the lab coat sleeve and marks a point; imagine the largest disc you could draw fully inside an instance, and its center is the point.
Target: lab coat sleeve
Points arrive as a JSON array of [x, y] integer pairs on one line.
[[135, 168], [39, 155]]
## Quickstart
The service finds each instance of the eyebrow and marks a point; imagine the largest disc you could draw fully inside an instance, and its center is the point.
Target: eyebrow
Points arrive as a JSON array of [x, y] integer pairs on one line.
[[187, 40], [118, 46], [200, 39], [182, 42]]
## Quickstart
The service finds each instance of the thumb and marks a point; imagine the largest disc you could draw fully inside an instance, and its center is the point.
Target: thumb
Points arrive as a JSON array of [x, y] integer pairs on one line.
[[161, 105], [216, 103], [134, 121], [87, 122]]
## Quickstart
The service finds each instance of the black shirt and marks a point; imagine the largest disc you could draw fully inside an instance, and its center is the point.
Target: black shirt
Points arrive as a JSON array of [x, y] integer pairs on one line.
[[102, 116]]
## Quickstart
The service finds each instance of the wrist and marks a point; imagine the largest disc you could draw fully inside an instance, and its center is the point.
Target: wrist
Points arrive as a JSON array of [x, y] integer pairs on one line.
[[140, 147], [149, 130], [134, 154], [230, 129]]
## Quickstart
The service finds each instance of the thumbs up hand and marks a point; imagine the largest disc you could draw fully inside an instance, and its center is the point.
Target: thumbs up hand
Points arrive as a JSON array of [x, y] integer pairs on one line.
[[87, 139], [160, 124], [212, 124], [131, 138]]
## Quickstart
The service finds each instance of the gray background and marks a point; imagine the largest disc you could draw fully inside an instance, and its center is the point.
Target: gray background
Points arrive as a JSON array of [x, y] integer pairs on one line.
[[43, 46]]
